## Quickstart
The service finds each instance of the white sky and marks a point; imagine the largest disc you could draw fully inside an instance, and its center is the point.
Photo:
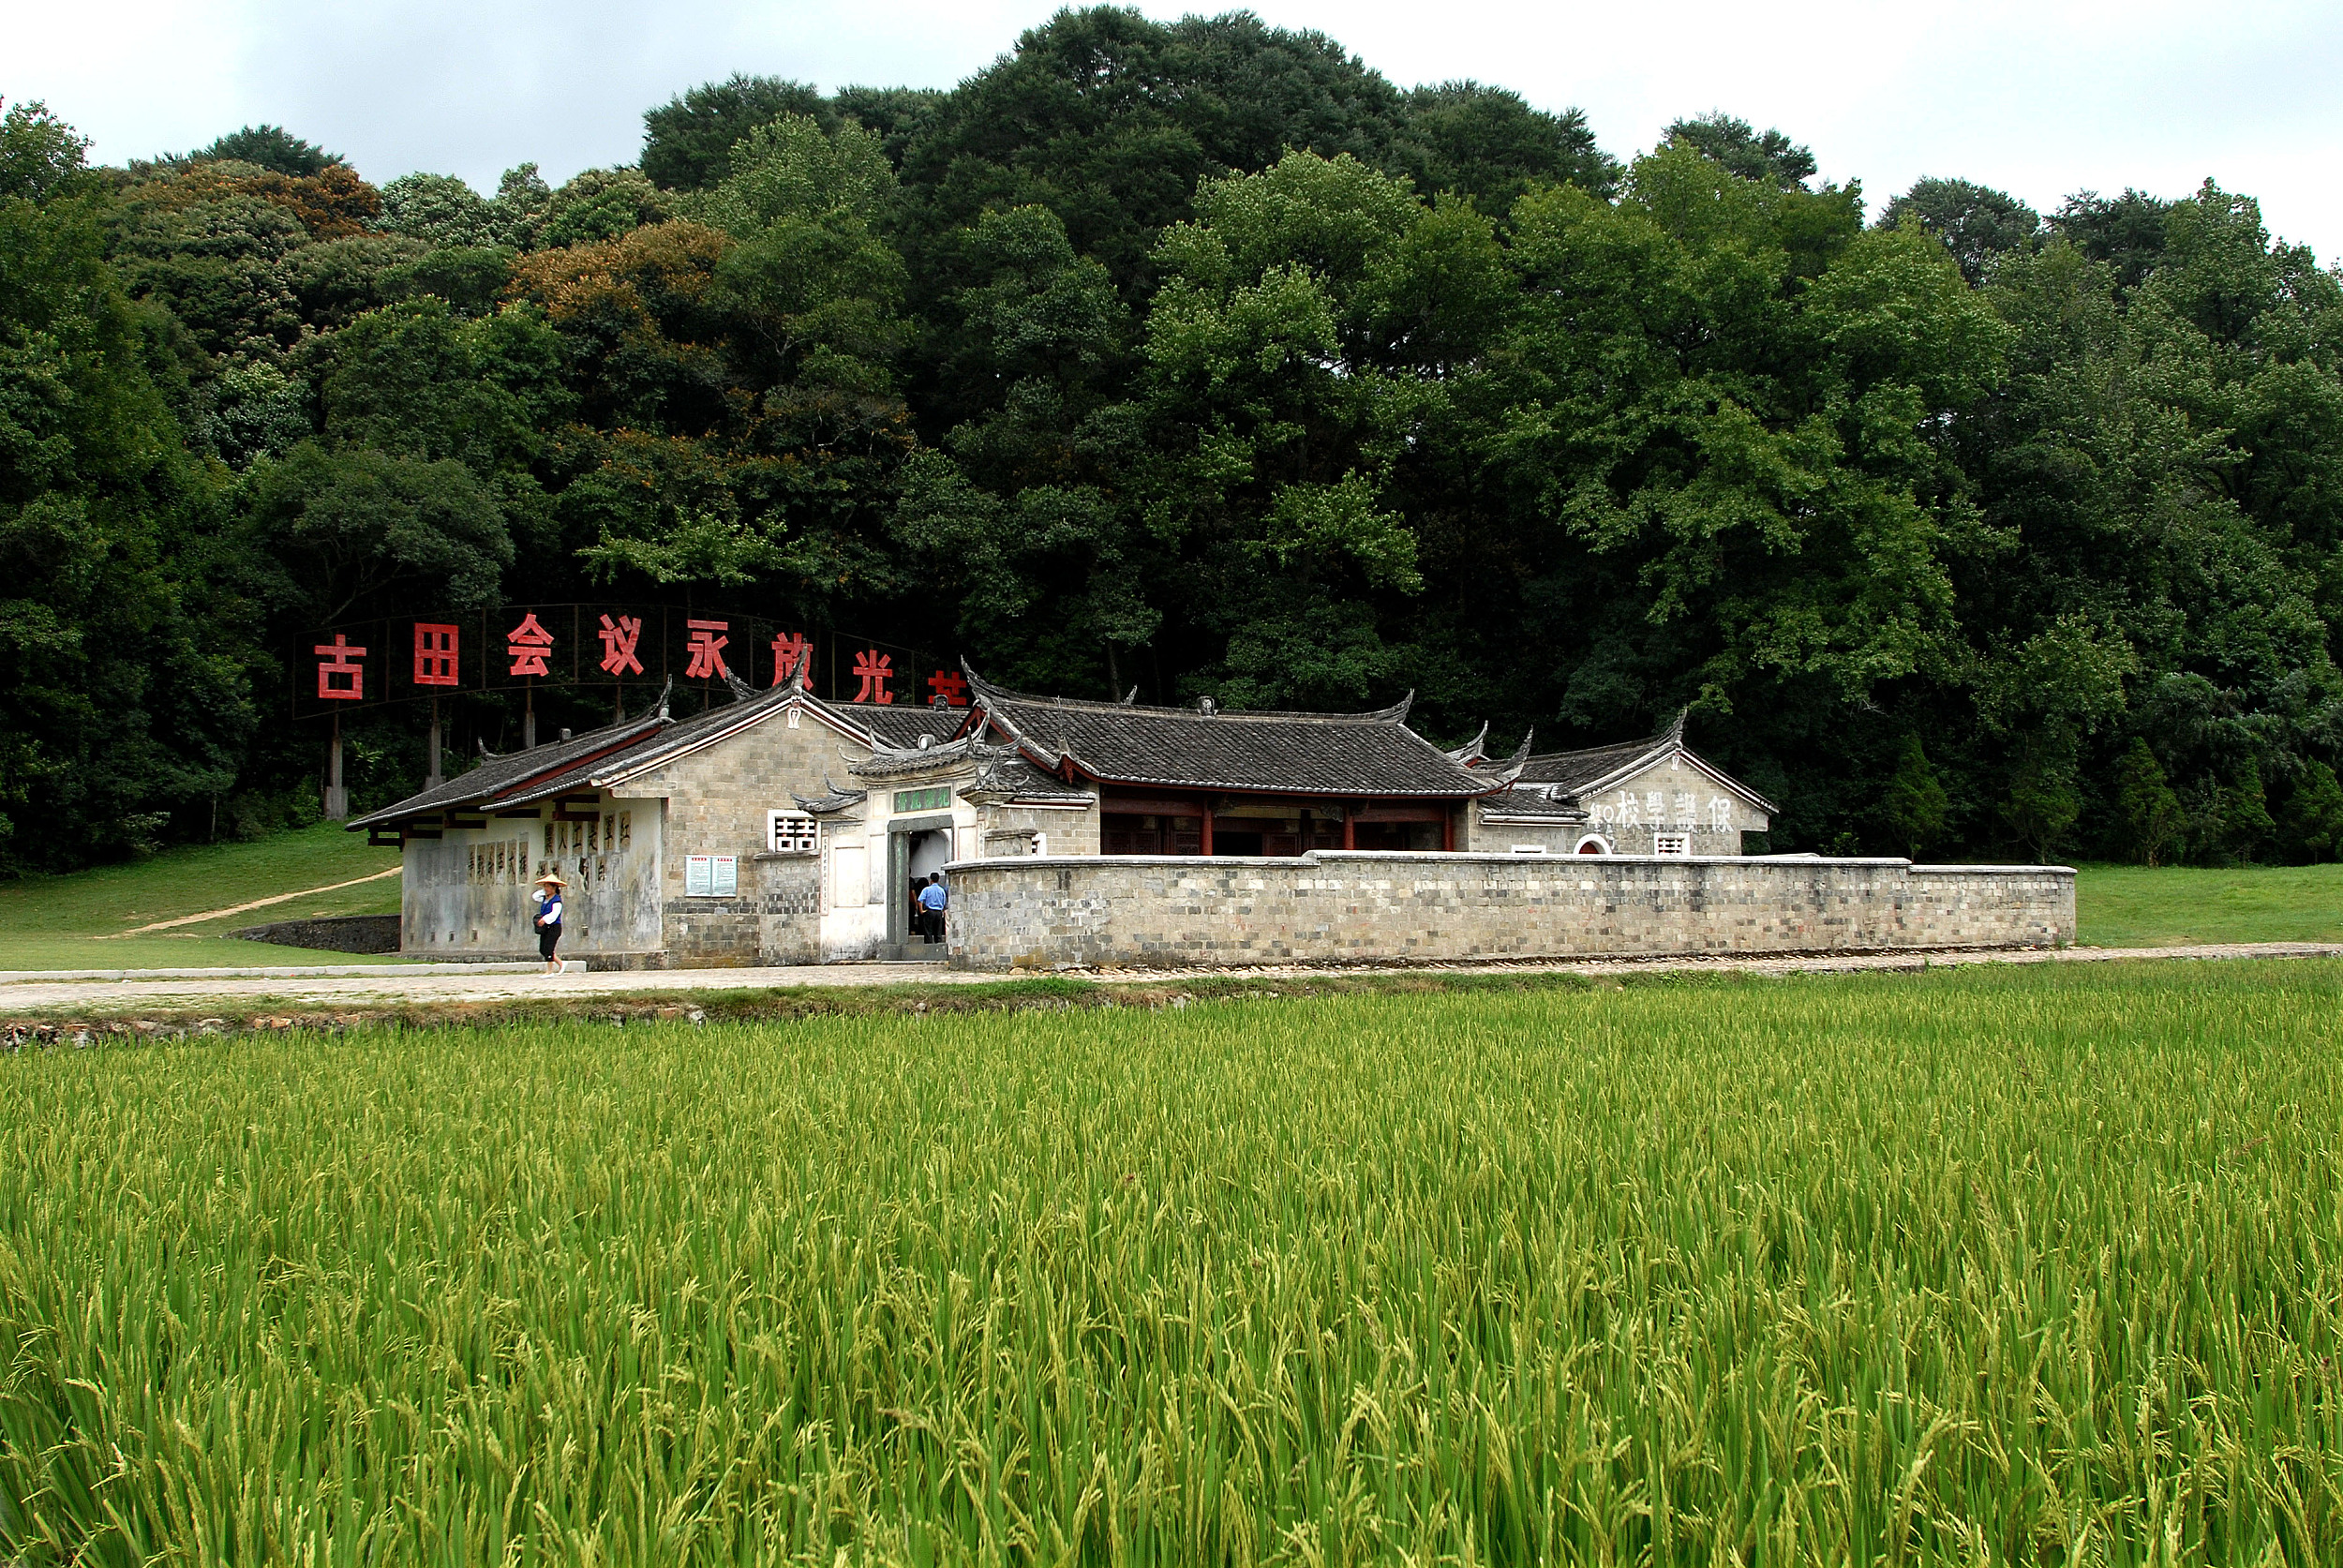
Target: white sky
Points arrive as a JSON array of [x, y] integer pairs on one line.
[[2040, 99]]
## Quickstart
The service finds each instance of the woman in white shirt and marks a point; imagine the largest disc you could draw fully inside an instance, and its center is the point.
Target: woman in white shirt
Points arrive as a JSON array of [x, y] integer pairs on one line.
[[549, 917]]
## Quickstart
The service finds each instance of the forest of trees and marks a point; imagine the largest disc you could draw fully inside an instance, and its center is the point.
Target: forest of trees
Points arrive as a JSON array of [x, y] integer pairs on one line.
[[1201, 357]]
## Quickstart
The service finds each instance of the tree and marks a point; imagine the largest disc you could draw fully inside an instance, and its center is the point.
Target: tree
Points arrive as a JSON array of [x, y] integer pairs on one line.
[[2149, 821], [2312, 820], [1975, 223], [688, 140], [2125, 232], [1915, 811], [1491, 145], [122, 706], [442, 212], [1771, 158], [358, 528], [271, 147], [40, 156]]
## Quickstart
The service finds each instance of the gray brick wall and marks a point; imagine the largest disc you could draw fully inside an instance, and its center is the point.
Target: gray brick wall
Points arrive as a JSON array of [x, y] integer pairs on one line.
[[1364, 907]]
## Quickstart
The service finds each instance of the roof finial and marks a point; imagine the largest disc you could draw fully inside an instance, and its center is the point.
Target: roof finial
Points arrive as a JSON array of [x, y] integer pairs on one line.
[[664, 693], [1130, 696], [1471, 752], [1676, 730]]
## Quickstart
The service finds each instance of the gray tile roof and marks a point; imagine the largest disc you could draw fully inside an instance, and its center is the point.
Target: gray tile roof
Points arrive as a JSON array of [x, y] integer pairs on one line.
[[1537, 800], [513, 770], [1569, 775], [583, 761], [902, 724], [1372, 753]]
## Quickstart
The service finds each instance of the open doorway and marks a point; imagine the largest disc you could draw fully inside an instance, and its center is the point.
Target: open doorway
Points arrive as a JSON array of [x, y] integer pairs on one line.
[[917, 853]]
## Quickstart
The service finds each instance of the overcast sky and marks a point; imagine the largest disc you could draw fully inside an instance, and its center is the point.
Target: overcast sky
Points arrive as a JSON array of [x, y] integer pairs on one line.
[[2041, 98]]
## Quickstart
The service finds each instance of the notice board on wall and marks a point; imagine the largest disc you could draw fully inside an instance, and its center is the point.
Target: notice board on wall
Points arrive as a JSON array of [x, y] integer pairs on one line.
[[712, 875]]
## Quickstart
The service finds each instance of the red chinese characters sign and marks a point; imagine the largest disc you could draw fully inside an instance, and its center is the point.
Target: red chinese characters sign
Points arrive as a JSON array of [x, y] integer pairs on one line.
[[528, 644], [618, 641], [340, 677], [791, 649], [597, 644], [435, 654], [707, 649]]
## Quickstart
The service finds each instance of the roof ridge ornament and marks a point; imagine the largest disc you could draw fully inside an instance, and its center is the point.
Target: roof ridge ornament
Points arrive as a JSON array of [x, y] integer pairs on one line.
[[1505, 776], [1471, 752], [1132, 695], [837, 799], [741, 691], [664, 693], [1676, 730]]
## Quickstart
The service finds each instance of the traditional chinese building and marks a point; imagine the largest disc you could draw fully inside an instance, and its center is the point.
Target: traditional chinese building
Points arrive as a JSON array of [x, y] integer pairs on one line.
[[1650, 797], [728, 838]]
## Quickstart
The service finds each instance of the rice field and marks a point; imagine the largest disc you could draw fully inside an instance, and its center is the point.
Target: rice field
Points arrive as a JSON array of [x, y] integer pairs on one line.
[[2028, 1266]]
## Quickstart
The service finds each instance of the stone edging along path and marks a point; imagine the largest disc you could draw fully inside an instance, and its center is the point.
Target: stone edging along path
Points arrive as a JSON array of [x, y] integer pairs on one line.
[[39, 1010]]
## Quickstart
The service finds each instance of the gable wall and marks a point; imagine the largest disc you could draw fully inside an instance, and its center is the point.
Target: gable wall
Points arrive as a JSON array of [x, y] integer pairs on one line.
[[716, 799], [1687, 800]]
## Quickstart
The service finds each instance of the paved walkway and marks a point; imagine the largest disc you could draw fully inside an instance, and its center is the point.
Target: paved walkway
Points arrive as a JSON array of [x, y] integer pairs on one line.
[[24, 993]]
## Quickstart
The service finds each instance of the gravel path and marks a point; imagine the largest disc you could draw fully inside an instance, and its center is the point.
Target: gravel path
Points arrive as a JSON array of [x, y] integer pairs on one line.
[[32, 993]]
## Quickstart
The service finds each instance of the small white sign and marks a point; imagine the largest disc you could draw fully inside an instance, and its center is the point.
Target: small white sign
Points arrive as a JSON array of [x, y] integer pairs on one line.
[[712, 875], [726, 875]]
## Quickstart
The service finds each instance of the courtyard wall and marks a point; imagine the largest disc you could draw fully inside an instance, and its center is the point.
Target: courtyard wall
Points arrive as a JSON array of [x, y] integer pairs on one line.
[[1364, 907]]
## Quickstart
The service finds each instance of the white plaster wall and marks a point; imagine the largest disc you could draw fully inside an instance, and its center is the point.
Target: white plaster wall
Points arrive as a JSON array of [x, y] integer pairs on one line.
[[1717, 818], [446, 907]]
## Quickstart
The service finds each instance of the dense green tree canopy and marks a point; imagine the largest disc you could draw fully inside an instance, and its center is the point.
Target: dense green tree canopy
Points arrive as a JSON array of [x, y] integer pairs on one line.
[[1198, 356]]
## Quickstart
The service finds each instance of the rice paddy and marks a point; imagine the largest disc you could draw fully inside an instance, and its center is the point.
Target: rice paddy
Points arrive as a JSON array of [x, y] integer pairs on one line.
[[2038, 1265]]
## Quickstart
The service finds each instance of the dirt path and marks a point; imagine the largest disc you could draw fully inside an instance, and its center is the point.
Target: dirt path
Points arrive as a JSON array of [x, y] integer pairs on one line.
[[391, 988], [256, 904]]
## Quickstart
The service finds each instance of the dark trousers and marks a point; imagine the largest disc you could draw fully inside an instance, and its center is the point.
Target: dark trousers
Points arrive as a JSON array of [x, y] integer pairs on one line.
[[546, 937]]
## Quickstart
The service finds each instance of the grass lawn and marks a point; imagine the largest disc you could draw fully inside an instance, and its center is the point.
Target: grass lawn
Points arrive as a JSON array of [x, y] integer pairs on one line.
[[2133, 907], [57, 922], [2030, 1266]]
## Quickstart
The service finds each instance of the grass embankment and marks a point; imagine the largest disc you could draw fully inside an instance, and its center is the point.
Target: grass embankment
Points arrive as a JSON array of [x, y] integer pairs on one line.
[[69, 922], [2039, 1266], [2133, 907]]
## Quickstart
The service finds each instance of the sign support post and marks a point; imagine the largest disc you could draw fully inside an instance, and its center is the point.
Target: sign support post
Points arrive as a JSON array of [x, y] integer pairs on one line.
[[337, 798]]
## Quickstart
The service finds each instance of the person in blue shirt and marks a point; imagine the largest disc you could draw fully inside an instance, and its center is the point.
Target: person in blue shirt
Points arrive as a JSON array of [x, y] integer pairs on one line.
[[931, 901], [549, 917]]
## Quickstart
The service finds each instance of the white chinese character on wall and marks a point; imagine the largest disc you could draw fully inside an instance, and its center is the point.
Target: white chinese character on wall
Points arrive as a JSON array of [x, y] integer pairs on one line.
[[1685, 816], [1720, 812], [1629, 816], [1655, 806]]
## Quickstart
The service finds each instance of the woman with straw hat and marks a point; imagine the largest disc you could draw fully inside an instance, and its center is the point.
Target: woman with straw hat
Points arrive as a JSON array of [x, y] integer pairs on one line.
[[548, 897]]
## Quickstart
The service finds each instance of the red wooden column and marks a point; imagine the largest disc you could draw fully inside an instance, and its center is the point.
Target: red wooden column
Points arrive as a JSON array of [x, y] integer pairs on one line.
[[1448, 829], [1350, 826], [1207, 846]]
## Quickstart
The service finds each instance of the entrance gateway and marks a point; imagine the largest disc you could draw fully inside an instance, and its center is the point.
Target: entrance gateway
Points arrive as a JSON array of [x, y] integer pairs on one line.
[[915, 846]]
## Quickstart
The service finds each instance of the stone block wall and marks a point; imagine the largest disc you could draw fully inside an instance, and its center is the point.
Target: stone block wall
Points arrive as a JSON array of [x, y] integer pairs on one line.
[[1361, 908]]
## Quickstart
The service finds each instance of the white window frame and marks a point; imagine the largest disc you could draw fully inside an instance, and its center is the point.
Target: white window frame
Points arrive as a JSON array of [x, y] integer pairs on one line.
[[1672, 843], [1602, 846], [1529, 849], [806, 839]]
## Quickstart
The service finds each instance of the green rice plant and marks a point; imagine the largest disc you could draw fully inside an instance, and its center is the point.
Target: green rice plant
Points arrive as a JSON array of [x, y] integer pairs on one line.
[[2039, 1265]]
